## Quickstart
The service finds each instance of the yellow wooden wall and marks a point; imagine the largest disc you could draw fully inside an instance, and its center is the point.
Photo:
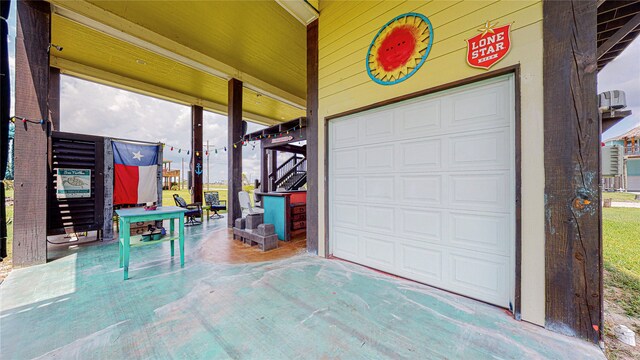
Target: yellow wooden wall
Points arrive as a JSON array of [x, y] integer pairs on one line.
[[346, 29]]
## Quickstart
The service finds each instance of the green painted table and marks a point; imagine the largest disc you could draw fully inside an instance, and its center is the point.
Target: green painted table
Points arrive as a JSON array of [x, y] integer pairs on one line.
[[126, 241]]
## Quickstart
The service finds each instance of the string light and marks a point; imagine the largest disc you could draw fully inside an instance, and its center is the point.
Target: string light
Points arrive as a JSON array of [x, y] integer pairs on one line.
[[25, 120], [245, 141]]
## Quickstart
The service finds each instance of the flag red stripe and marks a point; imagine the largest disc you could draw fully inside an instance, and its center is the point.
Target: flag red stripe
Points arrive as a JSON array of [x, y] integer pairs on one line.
[[125, 187]]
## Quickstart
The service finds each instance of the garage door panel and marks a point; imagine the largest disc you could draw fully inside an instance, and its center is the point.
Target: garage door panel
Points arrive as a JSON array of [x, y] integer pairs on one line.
[[480, 191], [486, 276], [486, 151], [420, 119], [344, 134], [420, 224], [379, 251], [479, 109], [480, 231], [419, 155], [426, 190], [379, 219], [345, 188], [345, 161], [377, 158], [421, 263], [420, 189], [346, 215], [346, 243], [378, 189], [376, 127]]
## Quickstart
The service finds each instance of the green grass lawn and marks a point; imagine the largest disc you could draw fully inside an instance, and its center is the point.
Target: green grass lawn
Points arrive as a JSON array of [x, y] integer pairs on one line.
[[620, 196], [621, 242], [8, 193], [167, 195]]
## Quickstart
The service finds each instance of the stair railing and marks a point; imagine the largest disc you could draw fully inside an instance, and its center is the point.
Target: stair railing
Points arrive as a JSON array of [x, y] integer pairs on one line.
[[293, 166]]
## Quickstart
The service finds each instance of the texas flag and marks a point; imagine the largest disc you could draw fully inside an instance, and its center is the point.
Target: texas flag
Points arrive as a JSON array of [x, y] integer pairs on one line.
[[136, 173]]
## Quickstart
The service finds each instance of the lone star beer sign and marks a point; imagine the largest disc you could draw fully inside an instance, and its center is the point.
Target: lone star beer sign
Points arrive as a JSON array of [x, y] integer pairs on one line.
[[492, 45], [399, 48]]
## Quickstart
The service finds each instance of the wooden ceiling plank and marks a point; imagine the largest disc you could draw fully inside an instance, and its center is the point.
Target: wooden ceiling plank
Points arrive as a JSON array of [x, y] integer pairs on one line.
[[89, 73], [86, 13], [615, 38]]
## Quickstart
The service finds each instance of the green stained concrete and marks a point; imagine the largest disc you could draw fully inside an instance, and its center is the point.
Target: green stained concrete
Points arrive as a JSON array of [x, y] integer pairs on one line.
[[304, 307]]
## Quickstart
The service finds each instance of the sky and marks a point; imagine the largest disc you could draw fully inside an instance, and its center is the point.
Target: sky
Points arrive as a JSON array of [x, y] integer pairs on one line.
[[101, 110]]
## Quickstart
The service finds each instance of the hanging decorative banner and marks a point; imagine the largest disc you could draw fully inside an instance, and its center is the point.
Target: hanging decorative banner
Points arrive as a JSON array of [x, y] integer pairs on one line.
[[399, 49], [492, 45], [73, 183]]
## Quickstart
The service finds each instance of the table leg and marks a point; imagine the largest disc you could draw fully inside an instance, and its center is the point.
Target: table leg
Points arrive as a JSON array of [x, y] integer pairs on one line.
[[171, 232], [181, 240], [127, 231], [120, 247]]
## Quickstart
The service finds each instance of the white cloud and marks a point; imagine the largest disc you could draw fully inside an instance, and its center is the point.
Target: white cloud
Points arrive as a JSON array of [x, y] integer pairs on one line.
[[95, 109]]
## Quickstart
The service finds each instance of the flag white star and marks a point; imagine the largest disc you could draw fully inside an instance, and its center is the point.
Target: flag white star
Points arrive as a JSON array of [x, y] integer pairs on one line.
[[138, 155]]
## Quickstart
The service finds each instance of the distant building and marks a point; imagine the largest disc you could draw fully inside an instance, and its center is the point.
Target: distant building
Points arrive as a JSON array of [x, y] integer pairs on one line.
[[630, 141]]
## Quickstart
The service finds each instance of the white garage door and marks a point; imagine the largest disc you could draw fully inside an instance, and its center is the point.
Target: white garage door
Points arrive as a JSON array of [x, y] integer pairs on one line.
[[424, 189]]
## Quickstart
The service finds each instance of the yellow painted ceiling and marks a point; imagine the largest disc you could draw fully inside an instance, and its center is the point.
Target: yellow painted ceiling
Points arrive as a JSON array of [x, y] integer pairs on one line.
[[108, 55], [256, 37]]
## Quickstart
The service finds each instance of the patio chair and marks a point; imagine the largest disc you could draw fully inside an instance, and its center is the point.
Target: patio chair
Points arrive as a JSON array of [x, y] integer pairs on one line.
[[194, 210], [245, 205], [212, 200]]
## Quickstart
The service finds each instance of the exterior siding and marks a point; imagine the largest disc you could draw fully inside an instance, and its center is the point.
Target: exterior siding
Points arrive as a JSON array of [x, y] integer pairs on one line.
[[633, 167], [345, 32]]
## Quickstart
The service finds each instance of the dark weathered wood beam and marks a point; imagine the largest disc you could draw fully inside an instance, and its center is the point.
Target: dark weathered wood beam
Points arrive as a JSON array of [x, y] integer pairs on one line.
[[273, 165], [302, 150], [196, 153], [264, 169], [600, 2], [313, 182], [54, 98], [633, 23], [573, 251], [31, 153], [234, 182]]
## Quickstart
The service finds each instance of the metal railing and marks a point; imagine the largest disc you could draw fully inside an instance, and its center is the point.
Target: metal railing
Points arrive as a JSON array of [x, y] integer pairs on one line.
[[294, 165], [632, 150]]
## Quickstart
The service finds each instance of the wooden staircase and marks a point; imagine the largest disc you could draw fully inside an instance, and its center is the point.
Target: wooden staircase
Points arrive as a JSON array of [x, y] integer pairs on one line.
[[291, 175]]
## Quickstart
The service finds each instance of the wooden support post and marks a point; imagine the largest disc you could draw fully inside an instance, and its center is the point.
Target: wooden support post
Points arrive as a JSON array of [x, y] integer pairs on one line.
[[54, 98], [573, 246], [273, 160], [312, 138], [31, 159], [235, 152], [196, 153], [264, 169]]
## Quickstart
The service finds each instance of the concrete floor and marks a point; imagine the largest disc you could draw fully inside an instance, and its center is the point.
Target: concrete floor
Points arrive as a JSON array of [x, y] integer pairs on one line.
[[301, 307]]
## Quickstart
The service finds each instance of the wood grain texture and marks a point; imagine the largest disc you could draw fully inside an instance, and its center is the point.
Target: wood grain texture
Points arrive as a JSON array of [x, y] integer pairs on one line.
[[572, 141], [54, 98], [31, 157], [235, 153], [107, 224], [196, 153], [312, 138], [517, 301], [264, 168]]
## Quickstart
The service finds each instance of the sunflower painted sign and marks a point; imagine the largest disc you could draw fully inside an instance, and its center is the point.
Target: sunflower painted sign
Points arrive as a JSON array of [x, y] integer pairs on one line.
[[399, 48], [492, 45]]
